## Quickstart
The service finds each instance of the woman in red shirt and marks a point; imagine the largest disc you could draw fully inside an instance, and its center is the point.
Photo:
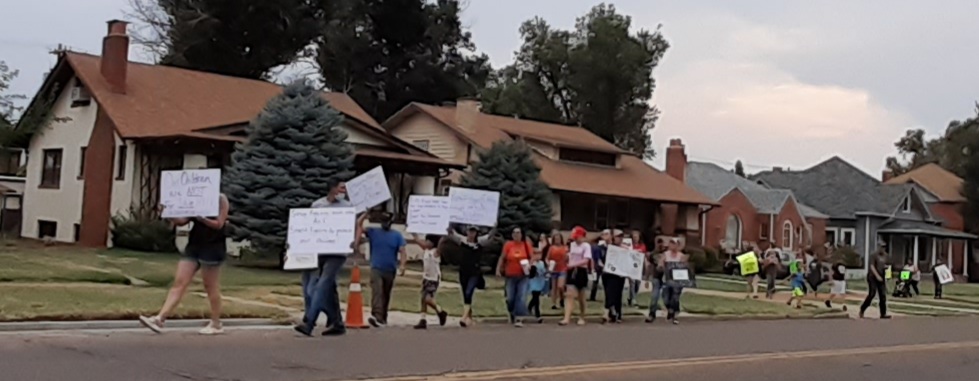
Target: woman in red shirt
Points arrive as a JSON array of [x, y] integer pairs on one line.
[[557, 262], [514, 266]]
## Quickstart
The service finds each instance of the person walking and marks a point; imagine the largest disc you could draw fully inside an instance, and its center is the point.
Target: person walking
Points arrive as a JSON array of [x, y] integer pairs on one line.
[[935, 279], [580, 264], [915, 278], [205, 252], [431, 276], [838, 287], [538, 280], [771, 266], [556, 258], [470, 267], [656, 284], [639, 246], [672, 259], [598, 250], [614, 285], [388, 257], [320, 291], [514, 266], [876, 284]]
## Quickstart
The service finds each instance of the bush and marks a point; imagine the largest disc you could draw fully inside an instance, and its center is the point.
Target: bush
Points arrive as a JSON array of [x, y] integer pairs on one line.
[[850, 258], [698, 258], [713, 263], [141, 230]]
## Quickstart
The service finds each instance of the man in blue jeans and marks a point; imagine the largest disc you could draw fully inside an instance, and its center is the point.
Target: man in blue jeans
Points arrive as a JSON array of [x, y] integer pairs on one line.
[[388, 257]]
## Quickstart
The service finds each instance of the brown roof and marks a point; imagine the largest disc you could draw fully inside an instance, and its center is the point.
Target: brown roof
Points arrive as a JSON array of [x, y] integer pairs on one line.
[[937, 180], [164, 101], [633, 178]]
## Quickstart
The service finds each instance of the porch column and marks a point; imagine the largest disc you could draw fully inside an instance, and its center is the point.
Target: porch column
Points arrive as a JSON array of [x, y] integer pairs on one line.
[[915, 250], [948, 256], [934, 250], [965, 257]]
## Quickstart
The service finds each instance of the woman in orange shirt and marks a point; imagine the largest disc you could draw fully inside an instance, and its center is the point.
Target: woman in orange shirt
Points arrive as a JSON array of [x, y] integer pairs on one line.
[[557, 262], [514, 266]]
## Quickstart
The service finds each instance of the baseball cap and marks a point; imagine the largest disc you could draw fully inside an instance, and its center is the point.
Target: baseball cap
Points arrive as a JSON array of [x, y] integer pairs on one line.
[[578, 232]]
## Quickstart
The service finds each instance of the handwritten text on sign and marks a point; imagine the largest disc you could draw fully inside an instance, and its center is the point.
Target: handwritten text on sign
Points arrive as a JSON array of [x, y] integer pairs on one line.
[[190, 193], [474, 207], [428, 214], [944, 274], [322, 231], [624, 262], [369, 190]]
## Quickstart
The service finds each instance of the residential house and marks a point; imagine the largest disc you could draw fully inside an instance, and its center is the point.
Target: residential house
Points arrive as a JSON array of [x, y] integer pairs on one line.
[[128, 121], [942, 191], [865, 213], [596, 184], [749, 212], [11, 190]]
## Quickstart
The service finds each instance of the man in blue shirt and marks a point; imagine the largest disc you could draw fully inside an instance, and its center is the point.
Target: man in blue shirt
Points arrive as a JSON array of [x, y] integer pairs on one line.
[[388, 258]]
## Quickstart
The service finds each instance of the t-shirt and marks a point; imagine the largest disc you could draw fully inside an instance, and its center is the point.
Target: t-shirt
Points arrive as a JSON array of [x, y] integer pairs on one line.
[[431, 269], [513, 253], [385, 245], [579, 254], [470, 259], [878, 262], [640, 247], [539, 280], [771, 263], [839, 272], [558, 254], [325, 203]]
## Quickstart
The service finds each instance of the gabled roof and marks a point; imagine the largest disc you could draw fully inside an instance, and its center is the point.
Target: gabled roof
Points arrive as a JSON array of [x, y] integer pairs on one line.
[[716, 182], [940, 182]]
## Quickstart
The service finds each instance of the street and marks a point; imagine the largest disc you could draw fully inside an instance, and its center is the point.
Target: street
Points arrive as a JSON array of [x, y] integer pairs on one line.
[[901, 349]]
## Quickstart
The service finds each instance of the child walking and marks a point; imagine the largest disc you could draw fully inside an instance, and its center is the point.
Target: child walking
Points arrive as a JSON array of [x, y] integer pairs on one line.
[[431, 276], [798, 283], [538, 281]]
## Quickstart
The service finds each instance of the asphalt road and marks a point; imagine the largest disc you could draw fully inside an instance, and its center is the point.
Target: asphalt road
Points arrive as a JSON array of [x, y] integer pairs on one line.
[[896, 350]]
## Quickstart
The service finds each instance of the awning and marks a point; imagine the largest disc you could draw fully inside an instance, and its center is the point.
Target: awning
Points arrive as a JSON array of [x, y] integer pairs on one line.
[[921, 228]]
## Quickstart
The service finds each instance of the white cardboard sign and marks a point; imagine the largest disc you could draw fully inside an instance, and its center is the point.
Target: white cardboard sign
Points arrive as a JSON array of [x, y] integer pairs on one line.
[[369, 189], [428, 214], [624, 262], [944, 274], [474, 207], [190, 193], [318, 231]]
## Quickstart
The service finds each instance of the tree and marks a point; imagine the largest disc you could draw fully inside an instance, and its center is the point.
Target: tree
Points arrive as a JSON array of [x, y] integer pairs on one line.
[[233, 37], [598, 76], [739, 169], [970, 172], [947, 150], [387, 53], [295, 152], [7, 105], [508, 168], [16, 125]]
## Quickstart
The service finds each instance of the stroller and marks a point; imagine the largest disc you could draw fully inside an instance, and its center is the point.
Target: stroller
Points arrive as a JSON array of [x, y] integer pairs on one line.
[[902, 289]]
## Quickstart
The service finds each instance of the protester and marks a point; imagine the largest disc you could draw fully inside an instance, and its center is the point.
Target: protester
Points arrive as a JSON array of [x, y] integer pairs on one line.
[[580, 264], [752, 280], [814, 274], [556, 254], [915, 278], [598, 250], [876, 284], [639, 246], [771, 266], [470, 270], [672, 258], [514, 265], [538, 280], [655, 282], [614, 285], [388, 257], [320, 291], [838, 286], [934, 276], [797, 281], [206, 250], [431, 276]]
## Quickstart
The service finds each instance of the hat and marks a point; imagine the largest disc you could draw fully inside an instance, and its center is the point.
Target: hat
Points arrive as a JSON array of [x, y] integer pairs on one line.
[[675, 240], [578, 232], [617, 233], [606, 231]]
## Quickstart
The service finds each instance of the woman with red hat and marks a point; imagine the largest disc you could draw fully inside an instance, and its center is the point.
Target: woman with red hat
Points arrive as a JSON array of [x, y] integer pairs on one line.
[[579, 266]]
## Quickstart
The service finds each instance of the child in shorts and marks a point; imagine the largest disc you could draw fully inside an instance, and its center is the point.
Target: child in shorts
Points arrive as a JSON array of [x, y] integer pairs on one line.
[[431, 276], [797, 282], [538, 283]]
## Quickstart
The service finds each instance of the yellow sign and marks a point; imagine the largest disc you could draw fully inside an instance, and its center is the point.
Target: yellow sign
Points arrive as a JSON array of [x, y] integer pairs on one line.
[[905, 275], [749, 263], [888, 274]]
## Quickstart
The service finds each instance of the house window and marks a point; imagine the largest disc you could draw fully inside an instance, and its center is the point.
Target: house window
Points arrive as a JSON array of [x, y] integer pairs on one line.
[[121, 166], [732, 235], [443, 187], [47, 229], [620, 213], [51, 169], [601, 214], [81, 164], [831, 236], [10, 163], [763, 231], [589, 157], [848, 237], [421, 144], [906, 205], [78, 232], [811, 234], [787, 235]]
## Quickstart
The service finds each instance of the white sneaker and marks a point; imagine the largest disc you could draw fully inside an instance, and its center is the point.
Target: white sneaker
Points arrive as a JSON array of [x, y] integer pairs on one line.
[[153, 323], [211, 330]]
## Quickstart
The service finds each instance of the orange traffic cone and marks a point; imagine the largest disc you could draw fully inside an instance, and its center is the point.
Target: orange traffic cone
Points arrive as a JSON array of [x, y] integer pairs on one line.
[[355, 301]]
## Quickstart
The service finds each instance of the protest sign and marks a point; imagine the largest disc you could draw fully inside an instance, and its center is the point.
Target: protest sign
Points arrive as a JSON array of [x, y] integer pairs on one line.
[[624, 262], [474, 207], [888, 273], [369, 189], [318, 231], [944, 274], [680, 274], [190, 193], [428, 214], [749, 263], [905, 274]]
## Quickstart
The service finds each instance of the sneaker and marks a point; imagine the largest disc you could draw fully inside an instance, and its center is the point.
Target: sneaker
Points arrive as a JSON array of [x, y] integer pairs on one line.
[[518, 324], [374, 322], [650, 319], [211, 329], [885, 317], [540, 320], [581, 321], [828, 304], [422, 324], [304, 329], [844, 308], [676, 322], [563, 323], [153, 323], [335, 331], [443, 317]]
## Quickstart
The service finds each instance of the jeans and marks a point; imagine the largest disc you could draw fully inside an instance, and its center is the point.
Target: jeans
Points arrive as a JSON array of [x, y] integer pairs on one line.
[[875, 288], [671, 299], [381, 284], [633, 290], [657, 286], [534, 305], [309, 280], [614, 286], [325, 296], [516, 288]]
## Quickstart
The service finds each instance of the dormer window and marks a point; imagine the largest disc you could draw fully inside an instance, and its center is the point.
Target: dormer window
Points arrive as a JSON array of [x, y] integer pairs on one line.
[[587, 157], [80, 96], [906, 205]]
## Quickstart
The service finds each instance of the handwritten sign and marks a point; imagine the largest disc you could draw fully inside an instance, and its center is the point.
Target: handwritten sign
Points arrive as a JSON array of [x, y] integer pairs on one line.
[[297, 261], [944, 274], [190, 193], [428, 214], [749, 263], [369, 189], [319, 231], [474, 207], [680, 274], [624, 262]]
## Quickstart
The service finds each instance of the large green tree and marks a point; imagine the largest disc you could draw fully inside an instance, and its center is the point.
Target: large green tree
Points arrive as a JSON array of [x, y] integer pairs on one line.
[[387, 53], [970, 173], [508, 168], [242, 38], [947, 150], [598, 76], [295, 152]]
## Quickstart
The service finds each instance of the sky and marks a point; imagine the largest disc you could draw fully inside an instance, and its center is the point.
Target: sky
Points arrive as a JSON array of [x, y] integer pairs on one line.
[[771, 83]]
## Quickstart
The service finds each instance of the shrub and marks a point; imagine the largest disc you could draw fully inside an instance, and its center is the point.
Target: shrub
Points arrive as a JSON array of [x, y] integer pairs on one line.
[[141, 230], [713, 263], [850, 258], [698, 258]]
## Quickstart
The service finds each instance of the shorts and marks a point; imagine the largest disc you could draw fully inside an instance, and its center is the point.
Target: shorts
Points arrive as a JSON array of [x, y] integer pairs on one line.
[[797, 292], [205, 256], [558, 275], [577, 278], [839, 287], [429, 288]]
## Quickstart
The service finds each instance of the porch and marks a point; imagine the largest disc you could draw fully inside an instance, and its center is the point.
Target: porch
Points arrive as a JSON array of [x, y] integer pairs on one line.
[[652, 218], [925, 245]]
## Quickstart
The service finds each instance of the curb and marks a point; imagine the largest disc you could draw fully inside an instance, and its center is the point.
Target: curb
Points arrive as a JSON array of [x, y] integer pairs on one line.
[[125, 324], [635, 318]]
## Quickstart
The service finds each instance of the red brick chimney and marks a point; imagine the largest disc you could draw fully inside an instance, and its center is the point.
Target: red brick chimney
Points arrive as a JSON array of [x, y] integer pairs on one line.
[[676, 160], [886, 175], [115, 56], [467, 114]]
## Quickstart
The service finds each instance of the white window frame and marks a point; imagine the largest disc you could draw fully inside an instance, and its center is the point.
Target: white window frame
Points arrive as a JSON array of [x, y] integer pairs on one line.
[[836, 236], [842, 237], [787, 225], [906, 205]]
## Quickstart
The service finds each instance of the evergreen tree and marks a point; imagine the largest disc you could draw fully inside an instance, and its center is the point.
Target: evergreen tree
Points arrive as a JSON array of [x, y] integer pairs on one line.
[[295, 153], [508, 168], [739, 169], [970, 185]]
